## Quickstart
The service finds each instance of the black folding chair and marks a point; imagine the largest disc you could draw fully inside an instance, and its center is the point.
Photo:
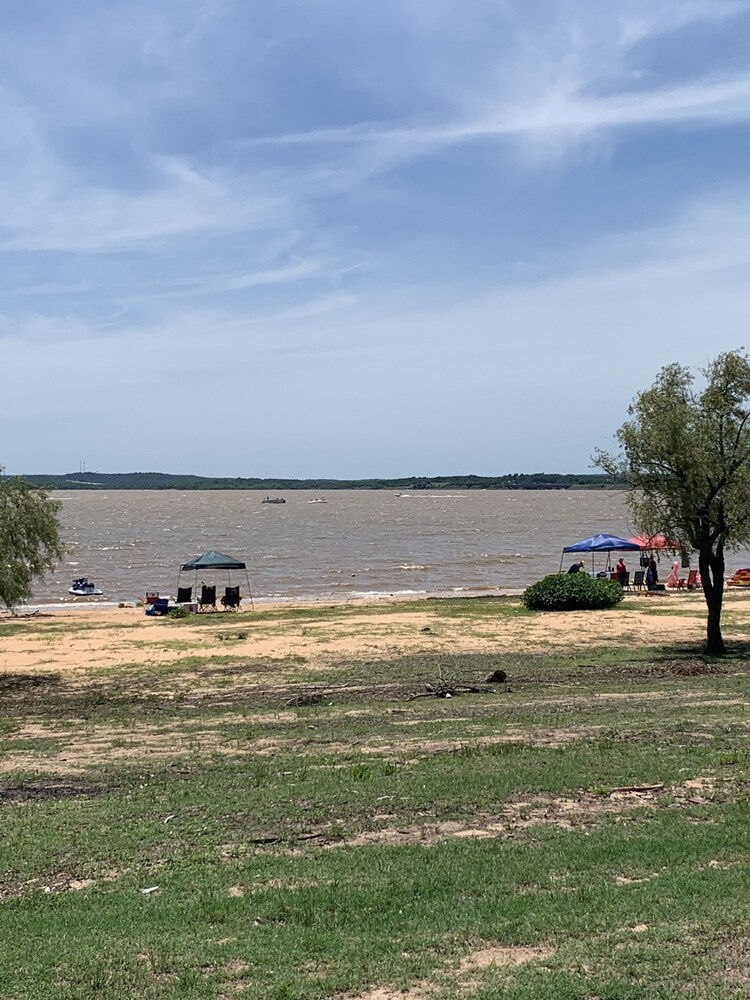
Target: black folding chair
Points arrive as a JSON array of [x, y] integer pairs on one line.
[[184, 595], [231, 599], [207, 598]]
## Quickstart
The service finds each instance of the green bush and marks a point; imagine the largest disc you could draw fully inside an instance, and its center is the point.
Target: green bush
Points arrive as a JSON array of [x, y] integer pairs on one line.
[[179, 612], [572, 592]]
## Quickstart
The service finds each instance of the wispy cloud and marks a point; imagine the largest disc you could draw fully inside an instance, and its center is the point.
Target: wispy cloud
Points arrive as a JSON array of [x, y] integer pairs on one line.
[[704, 102], [648, 20]]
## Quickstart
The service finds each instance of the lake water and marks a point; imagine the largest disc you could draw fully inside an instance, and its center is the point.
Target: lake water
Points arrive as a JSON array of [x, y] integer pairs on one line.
[[358, 543]]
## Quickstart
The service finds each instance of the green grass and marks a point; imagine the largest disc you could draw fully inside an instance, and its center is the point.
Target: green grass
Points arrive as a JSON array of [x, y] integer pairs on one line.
[[306, 852]]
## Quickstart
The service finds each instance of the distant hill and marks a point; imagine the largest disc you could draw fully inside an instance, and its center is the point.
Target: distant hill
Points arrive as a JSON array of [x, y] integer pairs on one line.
[[167, 481]]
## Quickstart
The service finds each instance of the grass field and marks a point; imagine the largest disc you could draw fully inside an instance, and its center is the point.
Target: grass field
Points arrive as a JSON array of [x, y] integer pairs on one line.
[[296, 827]]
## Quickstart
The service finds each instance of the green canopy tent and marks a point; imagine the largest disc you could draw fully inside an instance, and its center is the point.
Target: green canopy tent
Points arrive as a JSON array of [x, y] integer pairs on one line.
[[215, 560]]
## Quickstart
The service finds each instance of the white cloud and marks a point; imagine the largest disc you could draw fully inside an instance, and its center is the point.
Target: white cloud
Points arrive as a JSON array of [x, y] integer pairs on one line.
[[641, 21], [703, 102]]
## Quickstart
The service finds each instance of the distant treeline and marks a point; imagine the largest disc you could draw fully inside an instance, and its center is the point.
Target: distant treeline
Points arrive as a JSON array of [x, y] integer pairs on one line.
[[166, 481]]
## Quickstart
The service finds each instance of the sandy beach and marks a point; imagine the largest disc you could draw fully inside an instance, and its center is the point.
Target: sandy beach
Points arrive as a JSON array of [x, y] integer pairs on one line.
[[100, 638]]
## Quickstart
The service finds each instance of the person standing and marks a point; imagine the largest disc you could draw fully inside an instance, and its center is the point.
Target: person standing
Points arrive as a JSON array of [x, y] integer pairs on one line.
[[652, 574], [622, 571]]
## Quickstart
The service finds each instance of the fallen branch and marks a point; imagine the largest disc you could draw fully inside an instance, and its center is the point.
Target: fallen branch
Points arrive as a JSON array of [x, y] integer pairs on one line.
[[449, 690], [637, 788]]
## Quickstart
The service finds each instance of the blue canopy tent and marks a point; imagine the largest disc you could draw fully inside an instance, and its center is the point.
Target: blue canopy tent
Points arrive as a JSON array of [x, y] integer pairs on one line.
[[600, 543]]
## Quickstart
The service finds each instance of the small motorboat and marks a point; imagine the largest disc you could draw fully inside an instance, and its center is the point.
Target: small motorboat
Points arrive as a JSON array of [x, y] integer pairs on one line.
[[274, 500], [318, 500], [83, 587]]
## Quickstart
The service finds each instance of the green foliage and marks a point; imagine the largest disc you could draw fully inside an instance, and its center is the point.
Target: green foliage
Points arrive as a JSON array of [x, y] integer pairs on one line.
[[686, 460], [572, 592], [29, 538], [178, 613]]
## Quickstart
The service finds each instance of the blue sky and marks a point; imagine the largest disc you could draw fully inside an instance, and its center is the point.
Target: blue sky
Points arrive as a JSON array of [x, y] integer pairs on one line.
[[323, 238]]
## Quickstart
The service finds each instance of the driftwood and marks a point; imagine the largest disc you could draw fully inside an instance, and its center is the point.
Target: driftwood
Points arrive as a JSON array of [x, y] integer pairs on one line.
[[275, 839], [637, 788], [449, 690]]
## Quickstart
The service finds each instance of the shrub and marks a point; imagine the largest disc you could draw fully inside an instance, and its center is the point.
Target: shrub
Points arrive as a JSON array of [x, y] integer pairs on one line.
[[178, 613], [572, 592]]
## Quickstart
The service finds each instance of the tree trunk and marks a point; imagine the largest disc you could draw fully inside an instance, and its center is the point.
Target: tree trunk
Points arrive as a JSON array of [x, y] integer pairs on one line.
[[711, 565]]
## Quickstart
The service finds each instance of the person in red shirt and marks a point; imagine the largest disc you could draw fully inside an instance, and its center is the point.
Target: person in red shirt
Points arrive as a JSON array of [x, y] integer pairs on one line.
[[621, 569]]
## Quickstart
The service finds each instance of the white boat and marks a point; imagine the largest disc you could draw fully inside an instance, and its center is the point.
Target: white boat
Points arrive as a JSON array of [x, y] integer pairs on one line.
[[83, 587], [319, 500]]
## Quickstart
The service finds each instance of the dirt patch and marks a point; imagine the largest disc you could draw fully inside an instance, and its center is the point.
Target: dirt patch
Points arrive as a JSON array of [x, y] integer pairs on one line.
[[99, 745], [163, 744], [54, 883], [500, 957], [736, 958], [387, 993], [532, 737], [41, 791], [22, 683], [564, 813]]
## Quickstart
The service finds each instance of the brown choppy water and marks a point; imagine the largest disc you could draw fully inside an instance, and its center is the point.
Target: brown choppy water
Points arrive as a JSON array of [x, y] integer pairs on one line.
[[359, 543]]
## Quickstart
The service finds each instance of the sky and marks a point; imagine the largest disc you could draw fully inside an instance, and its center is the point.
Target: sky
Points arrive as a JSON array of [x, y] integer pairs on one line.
[[325, 238]]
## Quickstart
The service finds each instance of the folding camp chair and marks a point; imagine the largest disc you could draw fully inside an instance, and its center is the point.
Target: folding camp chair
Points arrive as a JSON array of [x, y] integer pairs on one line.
[[638, 578], [207, 598], [690, 583], [184, 595], [231, 599]]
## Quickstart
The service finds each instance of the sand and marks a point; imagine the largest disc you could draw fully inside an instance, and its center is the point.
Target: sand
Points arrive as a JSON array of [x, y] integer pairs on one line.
[[113, 637]]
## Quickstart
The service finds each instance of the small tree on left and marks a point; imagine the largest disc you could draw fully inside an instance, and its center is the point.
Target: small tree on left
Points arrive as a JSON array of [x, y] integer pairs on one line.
[[29, 538]]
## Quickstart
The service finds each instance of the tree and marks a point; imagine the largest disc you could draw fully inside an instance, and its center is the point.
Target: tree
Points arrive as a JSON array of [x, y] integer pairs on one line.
[[686, 461], [29, 538]]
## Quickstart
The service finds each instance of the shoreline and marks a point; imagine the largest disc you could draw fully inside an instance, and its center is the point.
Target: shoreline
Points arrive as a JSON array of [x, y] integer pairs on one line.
[[267, 603]]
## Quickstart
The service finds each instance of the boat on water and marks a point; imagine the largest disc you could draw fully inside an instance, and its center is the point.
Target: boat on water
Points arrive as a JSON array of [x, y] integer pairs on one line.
[[83, 587], [319, 500], [274, 500]]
